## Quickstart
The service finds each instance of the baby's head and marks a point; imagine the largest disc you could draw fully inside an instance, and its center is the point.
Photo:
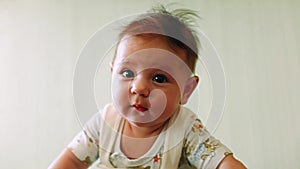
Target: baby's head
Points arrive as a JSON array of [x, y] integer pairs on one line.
[[174, 27], [153, 67]]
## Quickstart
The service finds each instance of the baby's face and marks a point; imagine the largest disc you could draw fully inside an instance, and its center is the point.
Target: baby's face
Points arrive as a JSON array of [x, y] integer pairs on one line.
[[148, 80]]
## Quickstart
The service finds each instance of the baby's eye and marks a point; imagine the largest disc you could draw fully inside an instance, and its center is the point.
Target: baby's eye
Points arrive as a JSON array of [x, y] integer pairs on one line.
[[128, 73], [160, 78]]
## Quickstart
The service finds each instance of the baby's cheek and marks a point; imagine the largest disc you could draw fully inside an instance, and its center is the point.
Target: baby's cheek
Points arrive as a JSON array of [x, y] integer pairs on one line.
[[158, 102], [119, 91]]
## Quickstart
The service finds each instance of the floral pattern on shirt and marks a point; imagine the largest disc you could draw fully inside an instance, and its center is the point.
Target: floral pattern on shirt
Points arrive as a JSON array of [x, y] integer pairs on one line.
[[200, 150]]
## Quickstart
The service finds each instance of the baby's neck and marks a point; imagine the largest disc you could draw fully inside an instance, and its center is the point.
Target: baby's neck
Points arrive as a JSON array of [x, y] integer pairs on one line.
[[136, 141], [131, 130]]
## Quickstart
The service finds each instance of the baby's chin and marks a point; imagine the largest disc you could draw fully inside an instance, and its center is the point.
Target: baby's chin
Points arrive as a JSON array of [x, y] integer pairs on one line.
[[139, 118]]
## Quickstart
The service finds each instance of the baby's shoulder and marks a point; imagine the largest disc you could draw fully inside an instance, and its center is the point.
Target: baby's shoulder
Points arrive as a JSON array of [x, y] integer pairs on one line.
[[201, 148], [109, 116], [196, 131]]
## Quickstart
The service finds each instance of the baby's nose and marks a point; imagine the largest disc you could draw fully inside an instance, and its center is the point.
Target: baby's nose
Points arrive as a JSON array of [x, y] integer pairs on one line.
[[140, 86]]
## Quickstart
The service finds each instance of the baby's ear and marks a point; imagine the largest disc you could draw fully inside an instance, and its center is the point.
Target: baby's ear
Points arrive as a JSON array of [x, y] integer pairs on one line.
[[189, 87], [111, 67]]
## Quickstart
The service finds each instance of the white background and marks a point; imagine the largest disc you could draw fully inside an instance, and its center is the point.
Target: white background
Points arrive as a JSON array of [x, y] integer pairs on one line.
[[258, 42]]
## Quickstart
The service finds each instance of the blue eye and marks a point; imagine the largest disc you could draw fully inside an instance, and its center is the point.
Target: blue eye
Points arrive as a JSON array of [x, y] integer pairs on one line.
[[160, 78], [127, 73]]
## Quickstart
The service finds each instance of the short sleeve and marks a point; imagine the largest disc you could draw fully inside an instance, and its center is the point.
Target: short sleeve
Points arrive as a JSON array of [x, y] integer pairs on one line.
[[201, 150], [85, 145]]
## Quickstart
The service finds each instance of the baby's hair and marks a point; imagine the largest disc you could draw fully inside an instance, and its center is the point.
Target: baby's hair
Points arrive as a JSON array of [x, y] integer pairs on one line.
[[175, 26]]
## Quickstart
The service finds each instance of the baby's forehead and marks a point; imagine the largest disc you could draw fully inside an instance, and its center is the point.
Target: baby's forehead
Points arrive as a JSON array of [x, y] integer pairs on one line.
[[154, 58], [149, 46]]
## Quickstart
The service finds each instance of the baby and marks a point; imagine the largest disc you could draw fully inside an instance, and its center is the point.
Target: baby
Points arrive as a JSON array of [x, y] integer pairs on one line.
[[146, 125]]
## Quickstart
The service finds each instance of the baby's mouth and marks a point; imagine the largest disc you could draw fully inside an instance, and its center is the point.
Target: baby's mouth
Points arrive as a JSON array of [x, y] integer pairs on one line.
[[140, 108]]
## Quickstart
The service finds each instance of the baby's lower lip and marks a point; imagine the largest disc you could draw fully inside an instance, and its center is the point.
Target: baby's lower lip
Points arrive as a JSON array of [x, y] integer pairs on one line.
[[140, 108]]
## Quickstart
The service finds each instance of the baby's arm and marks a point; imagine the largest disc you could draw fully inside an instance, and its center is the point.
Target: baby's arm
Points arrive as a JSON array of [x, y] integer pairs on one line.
[[67, 160], [204, 151], [230, 162], [83, 150]]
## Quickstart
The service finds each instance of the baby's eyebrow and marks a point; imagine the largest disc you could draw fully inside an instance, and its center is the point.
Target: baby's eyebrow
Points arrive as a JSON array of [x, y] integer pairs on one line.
[[127, 62], [170, 68], [161, 67]]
